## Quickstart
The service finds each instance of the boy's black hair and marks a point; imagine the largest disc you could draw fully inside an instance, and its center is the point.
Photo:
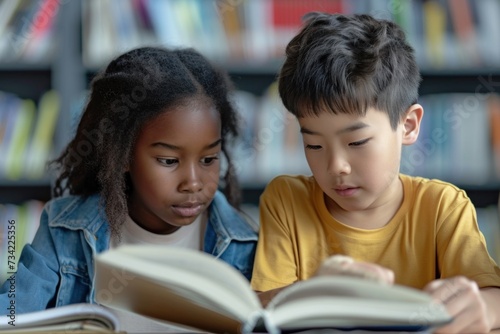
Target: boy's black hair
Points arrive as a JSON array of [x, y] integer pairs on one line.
[[134, 88], [345, 64]]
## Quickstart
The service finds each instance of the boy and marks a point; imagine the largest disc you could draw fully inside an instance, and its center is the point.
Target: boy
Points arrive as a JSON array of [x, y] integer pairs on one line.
[[352, 82]]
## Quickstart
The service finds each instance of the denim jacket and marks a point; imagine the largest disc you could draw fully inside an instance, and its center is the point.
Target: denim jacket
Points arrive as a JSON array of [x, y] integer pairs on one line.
[[57, 268]]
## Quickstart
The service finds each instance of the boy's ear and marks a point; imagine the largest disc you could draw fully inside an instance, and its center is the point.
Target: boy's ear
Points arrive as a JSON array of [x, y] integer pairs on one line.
[[411, 123]]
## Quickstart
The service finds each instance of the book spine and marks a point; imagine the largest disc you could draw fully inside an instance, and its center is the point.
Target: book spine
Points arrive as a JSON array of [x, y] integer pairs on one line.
[[260, 322]]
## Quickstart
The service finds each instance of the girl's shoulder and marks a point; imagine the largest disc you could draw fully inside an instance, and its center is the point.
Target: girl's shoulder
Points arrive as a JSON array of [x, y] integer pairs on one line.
[[233, 221], [73, 210]]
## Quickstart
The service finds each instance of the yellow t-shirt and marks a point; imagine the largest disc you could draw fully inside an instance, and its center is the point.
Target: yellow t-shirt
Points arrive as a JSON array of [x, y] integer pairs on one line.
[[434, 234]]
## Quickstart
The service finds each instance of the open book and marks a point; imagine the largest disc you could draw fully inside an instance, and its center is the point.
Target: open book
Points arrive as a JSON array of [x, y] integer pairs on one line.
[[197, 290], [76, 318]]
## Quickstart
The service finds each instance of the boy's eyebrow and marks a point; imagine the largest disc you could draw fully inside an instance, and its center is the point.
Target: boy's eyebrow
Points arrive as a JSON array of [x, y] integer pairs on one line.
[[177, 148], [350, 128]]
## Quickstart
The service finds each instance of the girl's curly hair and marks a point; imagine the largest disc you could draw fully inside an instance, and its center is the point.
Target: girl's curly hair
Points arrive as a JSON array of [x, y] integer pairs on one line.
[[134, 88]]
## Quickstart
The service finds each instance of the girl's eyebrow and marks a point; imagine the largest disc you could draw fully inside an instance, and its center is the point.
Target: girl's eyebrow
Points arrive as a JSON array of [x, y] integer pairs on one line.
[[350, 128], [214, 144], [177, 148]]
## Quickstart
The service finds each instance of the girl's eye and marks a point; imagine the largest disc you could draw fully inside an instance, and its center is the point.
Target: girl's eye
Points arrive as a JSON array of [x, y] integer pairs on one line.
[[313, 147], [209, 160], [359, 143], [169, 162]]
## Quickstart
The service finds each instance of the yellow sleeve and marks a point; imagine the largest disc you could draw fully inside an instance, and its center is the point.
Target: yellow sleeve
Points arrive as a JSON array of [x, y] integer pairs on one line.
[[461, 247], [274, 264]]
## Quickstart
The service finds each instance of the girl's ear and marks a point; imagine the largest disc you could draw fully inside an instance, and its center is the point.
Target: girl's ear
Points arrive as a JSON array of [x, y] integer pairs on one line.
[[411, 123]]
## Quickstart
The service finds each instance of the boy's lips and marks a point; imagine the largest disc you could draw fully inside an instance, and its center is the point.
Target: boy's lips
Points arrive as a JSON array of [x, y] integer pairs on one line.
[[188, 209], [346, 190]]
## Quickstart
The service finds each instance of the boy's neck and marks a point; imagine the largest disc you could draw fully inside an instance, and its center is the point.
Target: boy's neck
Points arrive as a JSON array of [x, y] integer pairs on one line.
[[376, 216]]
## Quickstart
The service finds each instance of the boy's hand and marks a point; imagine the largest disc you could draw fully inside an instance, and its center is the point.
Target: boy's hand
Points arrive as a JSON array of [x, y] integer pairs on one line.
[[344, 265], [463, 301]]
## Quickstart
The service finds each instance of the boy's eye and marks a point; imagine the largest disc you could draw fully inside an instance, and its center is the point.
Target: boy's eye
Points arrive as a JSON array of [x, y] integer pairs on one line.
[[167, 161], [313, 147], [359, 143]]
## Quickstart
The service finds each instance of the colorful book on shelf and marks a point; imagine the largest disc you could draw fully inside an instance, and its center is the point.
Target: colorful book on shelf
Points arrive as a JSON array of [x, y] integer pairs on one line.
[[7, 12], [21, 134], [258, 37], [11, 106], [41, 142], [234, 31], [163, 20], [124, 24], [40, 41], [287, 18], [199, 291], [213, 42], [29, 29], [3, 119], [435, 32], [464, 30], [98, 33], [289, 13], [494, 121], [488, 28]]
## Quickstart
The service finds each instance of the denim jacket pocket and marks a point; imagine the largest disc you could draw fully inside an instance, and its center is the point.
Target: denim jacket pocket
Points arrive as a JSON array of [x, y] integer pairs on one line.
[[74, 285]]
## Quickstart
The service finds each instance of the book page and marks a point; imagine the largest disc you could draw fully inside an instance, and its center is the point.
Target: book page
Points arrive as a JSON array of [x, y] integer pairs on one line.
[[161, 302], [347, 302], [342, 286], [193, 279], [67, 317]]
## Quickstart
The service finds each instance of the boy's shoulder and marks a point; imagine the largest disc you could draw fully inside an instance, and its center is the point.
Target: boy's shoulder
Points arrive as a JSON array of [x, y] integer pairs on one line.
[[296, 185], [433, 189], [291, 188]]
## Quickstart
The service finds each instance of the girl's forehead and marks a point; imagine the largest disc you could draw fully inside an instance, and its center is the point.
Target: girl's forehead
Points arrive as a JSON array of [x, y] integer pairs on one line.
[[183, 121], [185, 111]]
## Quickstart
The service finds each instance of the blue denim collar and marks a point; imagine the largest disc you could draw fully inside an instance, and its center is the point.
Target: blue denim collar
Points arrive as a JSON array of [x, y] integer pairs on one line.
[[237, 228], [87, 213]]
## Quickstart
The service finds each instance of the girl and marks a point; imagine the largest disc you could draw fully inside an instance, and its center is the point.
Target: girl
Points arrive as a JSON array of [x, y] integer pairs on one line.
[[143, 168]]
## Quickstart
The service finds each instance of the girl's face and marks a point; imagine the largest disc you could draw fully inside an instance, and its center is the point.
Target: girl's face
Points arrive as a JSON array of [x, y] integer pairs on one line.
[[175, 167]]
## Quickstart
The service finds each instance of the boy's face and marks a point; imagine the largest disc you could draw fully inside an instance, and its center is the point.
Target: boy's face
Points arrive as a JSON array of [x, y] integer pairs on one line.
[[354, 159]]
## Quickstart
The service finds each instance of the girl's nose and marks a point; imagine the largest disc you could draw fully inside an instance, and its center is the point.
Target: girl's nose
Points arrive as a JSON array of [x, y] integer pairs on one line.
[[191, 181]]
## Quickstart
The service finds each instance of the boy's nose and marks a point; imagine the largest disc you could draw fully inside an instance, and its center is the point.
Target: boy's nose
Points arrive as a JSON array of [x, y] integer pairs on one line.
[[339, 166]]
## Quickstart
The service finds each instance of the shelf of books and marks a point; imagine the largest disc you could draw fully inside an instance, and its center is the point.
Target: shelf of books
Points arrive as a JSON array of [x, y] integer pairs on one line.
[[50, 49], [453, 34]]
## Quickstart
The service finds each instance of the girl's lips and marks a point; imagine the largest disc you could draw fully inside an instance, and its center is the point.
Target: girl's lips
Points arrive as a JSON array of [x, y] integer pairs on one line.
[[346, 192], [188, 211]]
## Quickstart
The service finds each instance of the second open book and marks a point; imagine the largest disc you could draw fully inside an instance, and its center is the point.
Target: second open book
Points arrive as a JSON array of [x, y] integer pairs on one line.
[[197, 290]]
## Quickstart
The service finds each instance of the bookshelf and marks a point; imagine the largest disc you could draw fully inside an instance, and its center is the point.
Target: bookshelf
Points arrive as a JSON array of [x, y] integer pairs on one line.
[[85, 37], [29, 74]]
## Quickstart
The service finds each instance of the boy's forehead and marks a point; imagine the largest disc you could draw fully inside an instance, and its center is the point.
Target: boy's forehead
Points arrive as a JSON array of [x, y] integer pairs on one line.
[[326, 111], [349, 121]]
